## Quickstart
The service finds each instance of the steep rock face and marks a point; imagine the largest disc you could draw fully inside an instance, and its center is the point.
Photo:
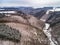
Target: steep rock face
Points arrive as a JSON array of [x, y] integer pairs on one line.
[[56, 32], [54, 18], [54, 21], [39, 14], [30, 29]]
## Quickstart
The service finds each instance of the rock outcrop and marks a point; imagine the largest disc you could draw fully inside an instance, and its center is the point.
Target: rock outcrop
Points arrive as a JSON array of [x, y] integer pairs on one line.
[[56, 32], [54, 21]]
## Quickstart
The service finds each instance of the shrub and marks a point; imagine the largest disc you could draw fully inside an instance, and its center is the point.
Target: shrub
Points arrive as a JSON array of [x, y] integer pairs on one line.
[[9, 33]]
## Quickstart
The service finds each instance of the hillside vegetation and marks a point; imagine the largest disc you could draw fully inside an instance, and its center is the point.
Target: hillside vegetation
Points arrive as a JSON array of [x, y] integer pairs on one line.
[[30, 28]]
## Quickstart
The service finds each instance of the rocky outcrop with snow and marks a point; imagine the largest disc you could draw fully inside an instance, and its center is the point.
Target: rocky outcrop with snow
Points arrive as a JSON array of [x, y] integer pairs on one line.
[[54, 21]]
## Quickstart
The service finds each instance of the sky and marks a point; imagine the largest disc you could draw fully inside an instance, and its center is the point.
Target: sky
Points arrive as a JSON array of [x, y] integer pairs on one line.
[[30, 3]]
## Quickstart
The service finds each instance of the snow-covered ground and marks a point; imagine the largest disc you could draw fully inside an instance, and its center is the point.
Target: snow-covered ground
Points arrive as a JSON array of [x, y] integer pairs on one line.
[[48, 34]]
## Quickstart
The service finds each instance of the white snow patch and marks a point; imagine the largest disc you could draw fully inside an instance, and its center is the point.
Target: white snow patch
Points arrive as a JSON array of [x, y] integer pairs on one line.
[[48, 34]]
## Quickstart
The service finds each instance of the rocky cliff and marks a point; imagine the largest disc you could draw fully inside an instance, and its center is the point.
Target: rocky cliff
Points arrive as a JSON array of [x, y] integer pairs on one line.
[[54, 21]]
